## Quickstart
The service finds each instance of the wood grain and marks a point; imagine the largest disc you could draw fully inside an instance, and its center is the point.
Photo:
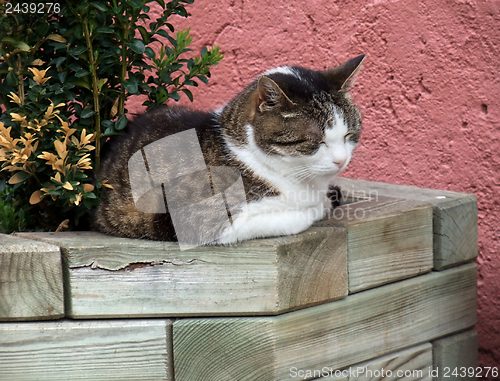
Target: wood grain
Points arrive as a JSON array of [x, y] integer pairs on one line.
[[454, 216], [388, 239], [31, 281], [118, 277], [408, 364], [362, 326], [86, 350], [456, 352]]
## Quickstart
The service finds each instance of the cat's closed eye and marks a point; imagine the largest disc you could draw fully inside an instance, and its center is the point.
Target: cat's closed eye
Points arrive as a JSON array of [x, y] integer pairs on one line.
[[349, 136]]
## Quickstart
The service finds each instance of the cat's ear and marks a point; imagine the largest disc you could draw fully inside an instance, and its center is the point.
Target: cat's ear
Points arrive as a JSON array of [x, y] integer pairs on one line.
[[270, 94], [343, 77]]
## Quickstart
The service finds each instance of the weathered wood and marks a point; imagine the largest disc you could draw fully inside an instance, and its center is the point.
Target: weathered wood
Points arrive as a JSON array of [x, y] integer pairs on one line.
[[336, 335], [455, 216], [388, 239], [31, 282], [118, 277], [408, 364], [456, 353], [86, 350]]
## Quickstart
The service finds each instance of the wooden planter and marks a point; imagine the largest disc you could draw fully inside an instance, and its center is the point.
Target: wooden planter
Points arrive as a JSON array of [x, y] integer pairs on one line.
[[387, 282]]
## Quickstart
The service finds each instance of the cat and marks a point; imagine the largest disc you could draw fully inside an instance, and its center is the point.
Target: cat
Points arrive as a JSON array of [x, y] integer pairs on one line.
[[279, 143]]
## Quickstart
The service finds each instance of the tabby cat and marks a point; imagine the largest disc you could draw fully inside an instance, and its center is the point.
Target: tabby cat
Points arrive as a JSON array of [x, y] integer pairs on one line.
[[267, 160]]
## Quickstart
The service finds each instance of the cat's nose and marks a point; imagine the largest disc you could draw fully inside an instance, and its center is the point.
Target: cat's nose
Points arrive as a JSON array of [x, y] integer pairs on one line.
[[339, 162]]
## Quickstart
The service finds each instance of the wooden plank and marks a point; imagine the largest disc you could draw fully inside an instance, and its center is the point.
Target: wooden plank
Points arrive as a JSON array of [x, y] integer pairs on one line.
[[456, 353], [119, 277], [360, 327], [31, 282], [409, 364], [455, 216], [86, 350], [388, 239]]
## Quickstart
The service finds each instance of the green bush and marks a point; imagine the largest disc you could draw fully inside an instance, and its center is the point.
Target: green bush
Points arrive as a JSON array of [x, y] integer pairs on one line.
[[66, 72]]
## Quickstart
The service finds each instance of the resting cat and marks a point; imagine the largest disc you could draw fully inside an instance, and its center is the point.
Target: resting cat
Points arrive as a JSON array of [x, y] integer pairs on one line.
[[286, 136]]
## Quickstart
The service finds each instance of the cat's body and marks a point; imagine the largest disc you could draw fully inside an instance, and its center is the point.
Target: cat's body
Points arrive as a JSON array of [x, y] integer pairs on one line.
[[288, 135]]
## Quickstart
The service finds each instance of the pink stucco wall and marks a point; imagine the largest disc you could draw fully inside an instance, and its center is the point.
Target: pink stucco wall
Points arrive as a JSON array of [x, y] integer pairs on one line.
[[429, 93]]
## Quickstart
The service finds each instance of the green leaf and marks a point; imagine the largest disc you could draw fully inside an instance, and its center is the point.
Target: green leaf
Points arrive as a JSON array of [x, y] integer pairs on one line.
[[163, 33], [58, 61], [78, 31], [42, 29], [175, 96], [144, 34], [130, 85], [188, 93], [11, 79], [87, 113], [135, 3], [9, 40], [110, 131], [77, 50], [121, 122], [23, 46], [137, 46], [202, 78], [107, 123], [62, 76], [105, 29], [101, 6], [82, 73], [89, 195], [83, 84]]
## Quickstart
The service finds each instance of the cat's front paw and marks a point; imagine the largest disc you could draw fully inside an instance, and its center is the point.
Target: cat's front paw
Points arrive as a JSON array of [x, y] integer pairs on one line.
[[334, 194]]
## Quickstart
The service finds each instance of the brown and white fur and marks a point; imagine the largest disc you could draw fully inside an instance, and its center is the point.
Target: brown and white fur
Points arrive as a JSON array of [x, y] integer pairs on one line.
[[289, 133]]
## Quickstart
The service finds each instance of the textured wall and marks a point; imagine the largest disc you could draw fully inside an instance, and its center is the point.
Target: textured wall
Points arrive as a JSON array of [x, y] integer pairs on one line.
[[429, 93]]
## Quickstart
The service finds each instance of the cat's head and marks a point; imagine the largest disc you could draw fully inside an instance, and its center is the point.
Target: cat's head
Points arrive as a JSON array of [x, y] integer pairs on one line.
[[299, 117]]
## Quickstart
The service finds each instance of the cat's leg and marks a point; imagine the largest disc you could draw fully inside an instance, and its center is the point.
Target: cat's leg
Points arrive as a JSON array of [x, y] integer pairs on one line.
[[271, 218], [334, 195]]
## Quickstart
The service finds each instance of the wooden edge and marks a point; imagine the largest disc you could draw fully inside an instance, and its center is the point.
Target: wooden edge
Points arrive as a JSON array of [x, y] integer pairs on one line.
[[372, 189], [407, 364], [336, 335], [135, 350], [389, 239], [455, 357], [455, 217], [31, 280]]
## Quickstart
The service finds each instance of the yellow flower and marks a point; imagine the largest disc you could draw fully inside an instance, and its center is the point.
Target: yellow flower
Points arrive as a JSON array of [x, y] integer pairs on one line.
[[39, 75], [50, 157], [84, 163], [68, 186], [36, 125], [6, 141], [17, 118], [57, 178], [104, 184], [61, 149], [48, 189], [78, 199], [15, 98], [64, 124], [88, 188], [59, 166], [65, 129]]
